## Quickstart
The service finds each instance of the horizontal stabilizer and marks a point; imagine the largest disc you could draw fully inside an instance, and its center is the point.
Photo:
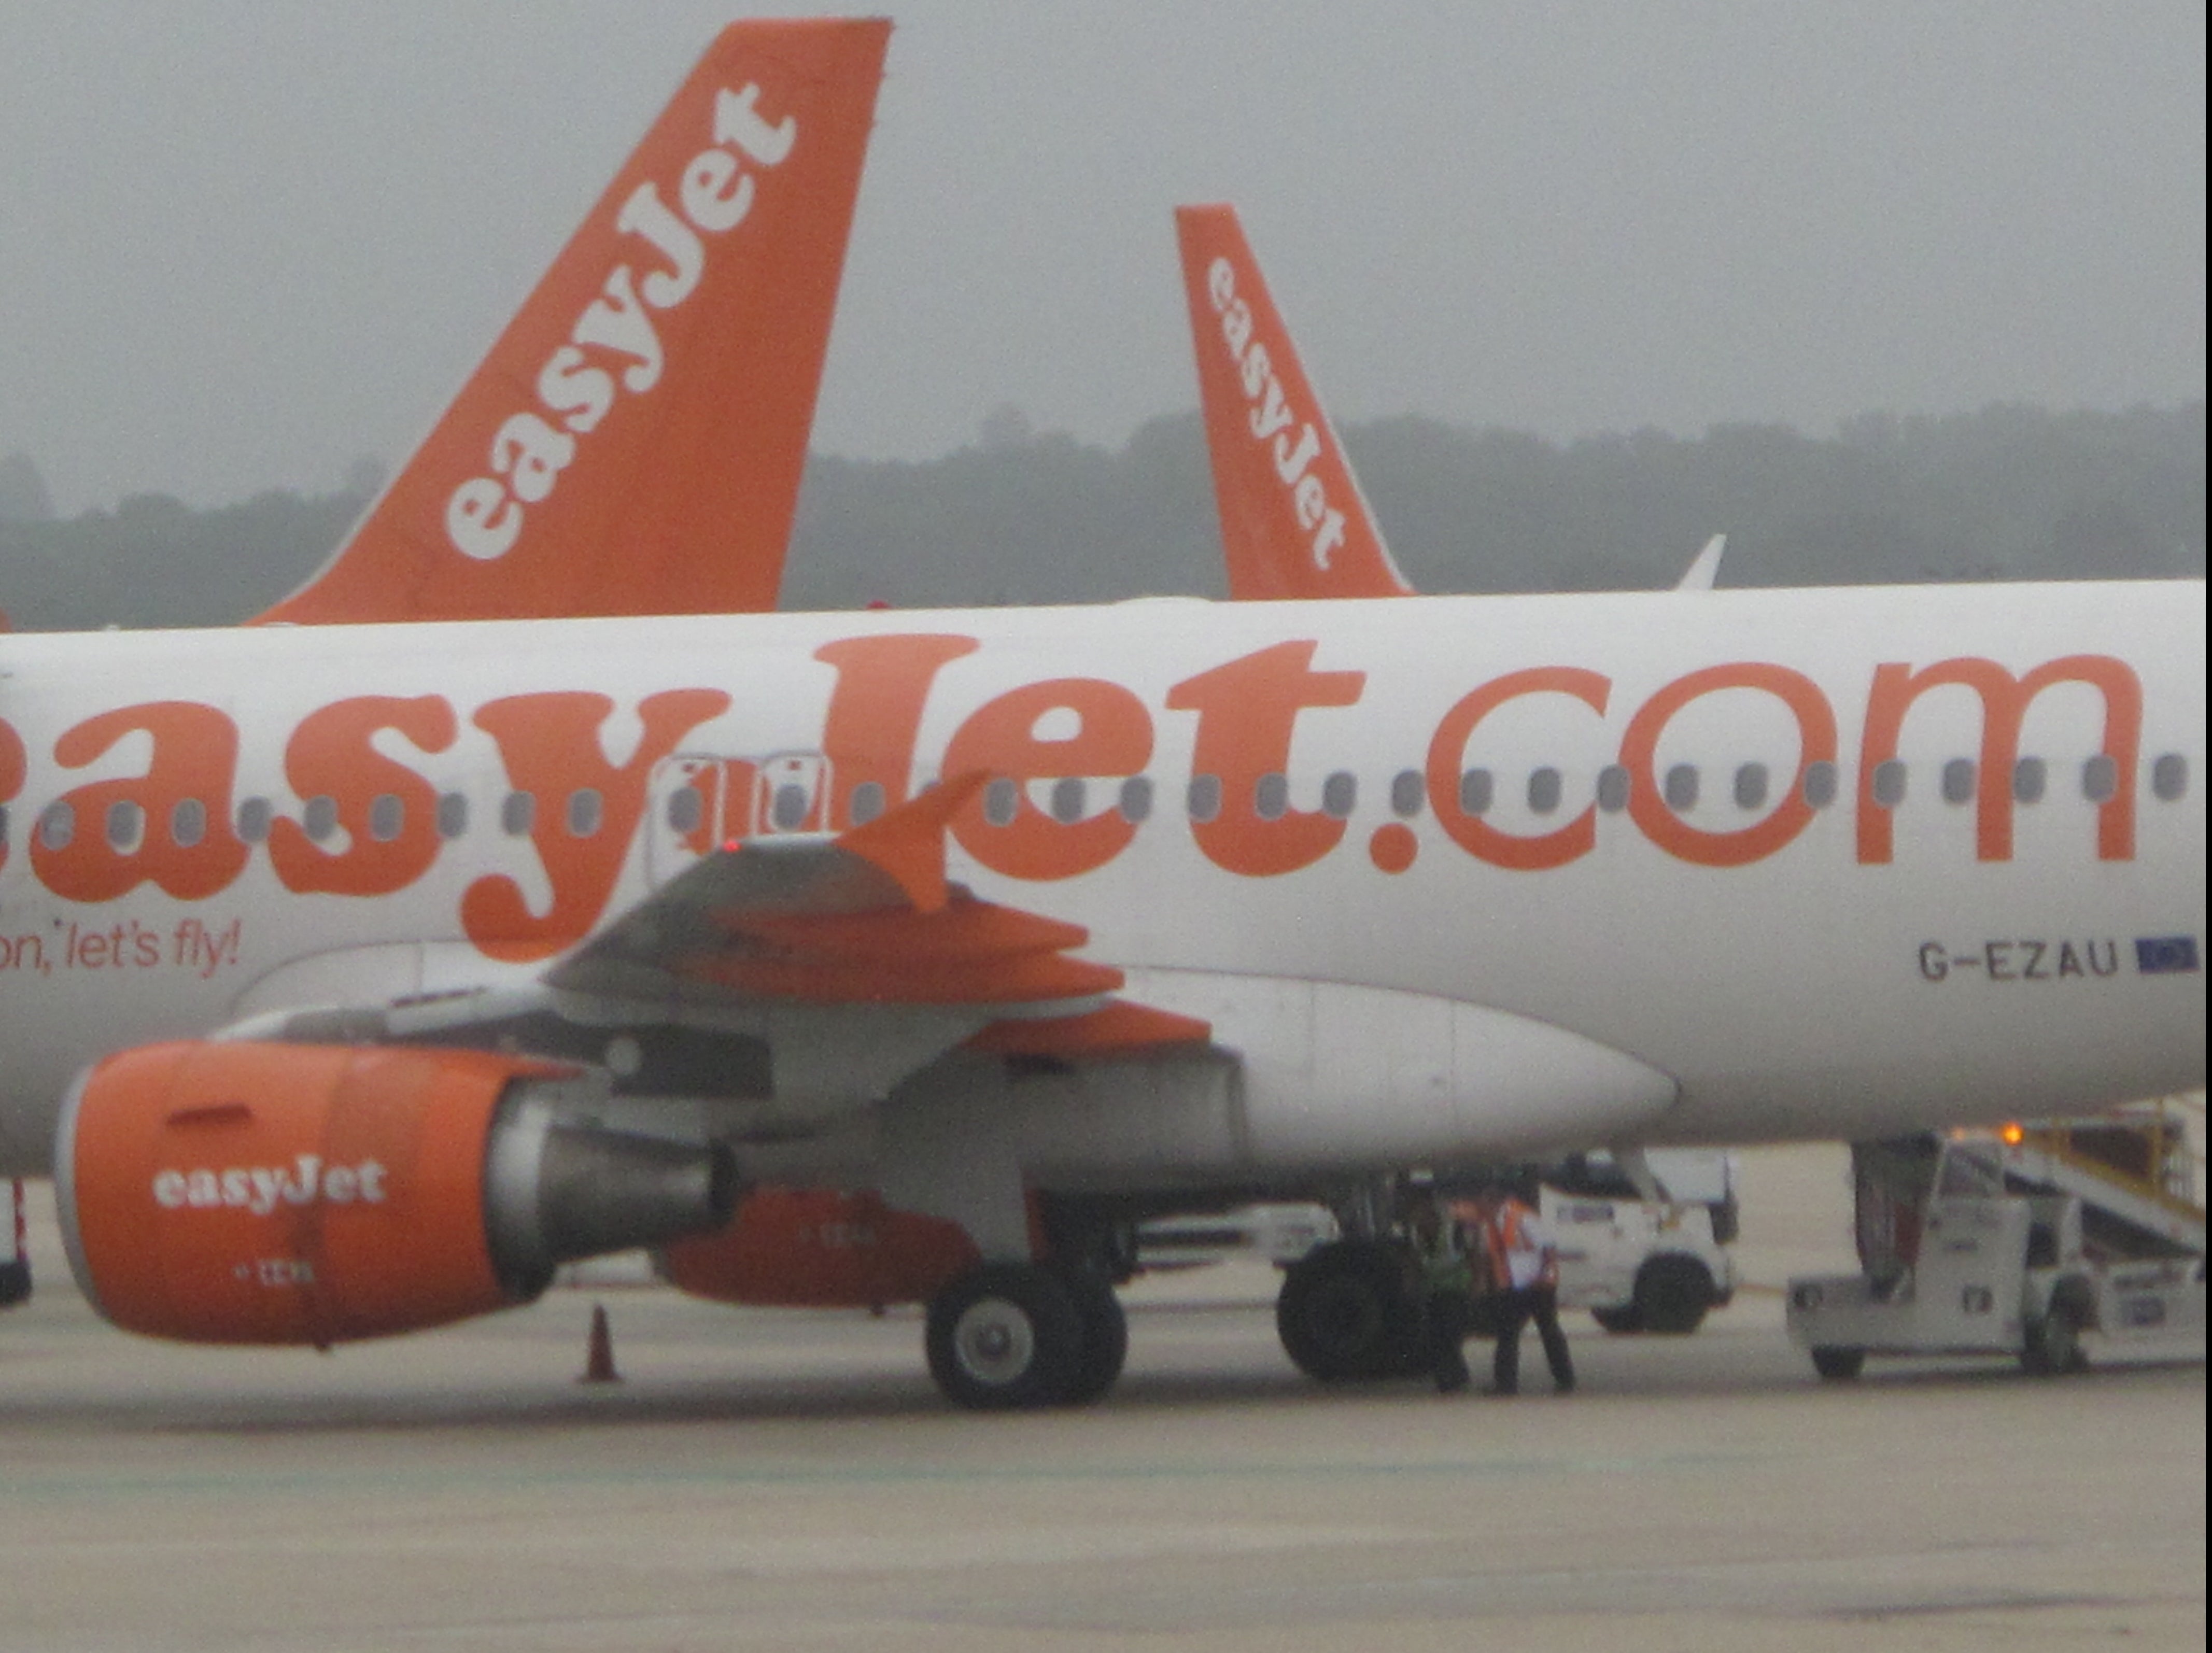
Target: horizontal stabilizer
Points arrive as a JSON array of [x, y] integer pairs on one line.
[[1701, 573]]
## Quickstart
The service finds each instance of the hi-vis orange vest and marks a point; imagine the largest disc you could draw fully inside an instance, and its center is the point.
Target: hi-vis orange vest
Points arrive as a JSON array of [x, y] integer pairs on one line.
[[1504, 1232]]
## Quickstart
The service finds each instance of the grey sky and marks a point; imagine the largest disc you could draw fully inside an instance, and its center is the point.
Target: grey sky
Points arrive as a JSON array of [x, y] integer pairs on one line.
[[241, 244]]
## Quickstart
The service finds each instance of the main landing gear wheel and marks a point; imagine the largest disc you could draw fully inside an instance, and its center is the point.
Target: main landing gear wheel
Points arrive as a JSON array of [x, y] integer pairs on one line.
[[1005, 1336], [1346, 1314], [1105, 1338]]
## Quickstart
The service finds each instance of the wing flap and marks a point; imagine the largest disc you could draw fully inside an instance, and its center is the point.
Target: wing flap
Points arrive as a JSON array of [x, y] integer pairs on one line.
[[866, 917]]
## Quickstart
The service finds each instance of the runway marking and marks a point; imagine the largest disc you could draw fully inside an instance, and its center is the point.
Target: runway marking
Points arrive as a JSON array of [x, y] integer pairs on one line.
[[24, 1488]]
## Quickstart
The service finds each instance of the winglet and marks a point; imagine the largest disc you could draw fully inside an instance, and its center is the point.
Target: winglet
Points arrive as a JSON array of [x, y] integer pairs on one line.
[[908, 843], [1699, 576], [1294, 520], [633, 444]]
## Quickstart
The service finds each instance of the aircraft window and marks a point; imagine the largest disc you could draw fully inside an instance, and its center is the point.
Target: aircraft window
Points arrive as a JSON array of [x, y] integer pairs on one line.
[[2169, 777], [453, 813], [786, 810], [1136, 800], [1889, 783], [1958, 781], [686, 809], [1821, 784], [1544, 789], [586, 809], [2100, 778], [1751, 786], [126, 825], [320, 818], [187, 823], [1612, 789], [1002, 801], [518, 813], [254, 815], [868, 801], [4, 826], [57, 825], [387, 817], [1474, 792], [1271, 797], [1339, 794], [1408, 788], [2029, 776], [1204, 798], [1068, 799], [1681, 788]]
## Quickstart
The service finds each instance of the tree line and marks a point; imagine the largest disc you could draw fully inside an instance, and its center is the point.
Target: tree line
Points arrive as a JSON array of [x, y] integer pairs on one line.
[[2007, 493]]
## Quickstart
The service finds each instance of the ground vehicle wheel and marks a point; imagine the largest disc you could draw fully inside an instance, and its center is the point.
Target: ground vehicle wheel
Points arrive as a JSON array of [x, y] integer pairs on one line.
[[1838, 1365], [1347, 1313], [1005, 1335], [1105, 1337], [1625, 1319], [2053, 1343], [1672, 1292]]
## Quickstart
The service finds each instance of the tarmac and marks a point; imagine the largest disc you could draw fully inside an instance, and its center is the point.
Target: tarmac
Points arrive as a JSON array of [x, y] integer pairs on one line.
[[791, 1479]]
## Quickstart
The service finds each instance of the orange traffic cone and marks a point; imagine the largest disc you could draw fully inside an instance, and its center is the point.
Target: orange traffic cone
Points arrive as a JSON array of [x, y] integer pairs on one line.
[[599, 1352]]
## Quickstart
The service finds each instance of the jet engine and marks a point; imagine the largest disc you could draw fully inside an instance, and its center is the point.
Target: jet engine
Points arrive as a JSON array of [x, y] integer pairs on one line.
[[271, 1193]]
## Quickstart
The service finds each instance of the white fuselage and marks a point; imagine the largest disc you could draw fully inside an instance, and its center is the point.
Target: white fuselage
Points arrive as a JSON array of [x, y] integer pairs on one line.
[[1805, 979]]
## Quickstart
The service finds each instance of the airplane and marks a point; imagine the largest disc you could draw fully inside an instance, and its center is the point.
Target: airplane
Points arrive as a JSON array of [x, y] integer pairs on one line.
[[1294, 521], [353, 977], [634, 442], [635, 459]]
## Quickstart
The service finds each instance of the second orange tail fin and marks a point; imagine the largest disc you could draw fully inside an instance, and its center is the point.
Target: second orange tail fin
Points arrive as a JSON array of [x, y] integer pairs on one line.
[[1293, 521], [634, 442]]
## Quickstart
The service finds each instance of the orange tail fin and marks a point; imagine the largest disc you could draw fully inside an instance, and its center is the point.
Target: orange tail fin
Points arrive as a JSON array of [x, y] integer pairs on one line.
[[634, 442], [1293, 521]]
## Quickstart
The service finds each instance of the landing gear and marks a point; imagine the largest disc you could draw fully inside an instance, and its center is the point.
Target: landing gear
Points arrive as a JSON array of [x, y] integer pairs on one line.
[[1009, 1336], [1105, 1338], [1349, 1311], [1671, 1295], [1672, 1292]]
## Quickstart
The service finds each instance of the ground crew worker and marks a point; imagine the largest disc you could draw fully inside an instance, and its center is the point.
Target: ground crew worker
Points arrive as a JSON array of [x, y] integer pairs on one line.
[[1448, 1287], [1523, 1269]]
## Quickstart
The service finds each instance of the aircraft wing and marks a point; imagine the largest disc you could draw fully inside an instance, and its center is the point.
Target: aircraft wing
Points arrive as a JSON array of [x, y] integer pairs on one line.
[[851, 959]]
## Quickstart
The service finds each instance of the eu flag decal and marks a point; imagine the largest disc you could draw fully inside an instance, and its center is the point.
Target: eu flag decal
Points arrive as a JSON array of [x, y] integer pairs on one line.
[[2167, 955]]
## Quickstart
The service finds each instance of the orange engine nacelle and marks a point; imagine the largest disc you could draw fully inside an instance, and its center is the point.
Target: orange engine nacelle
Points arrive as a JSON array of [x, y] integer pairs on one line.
[[820, 1249], [246, 1192]]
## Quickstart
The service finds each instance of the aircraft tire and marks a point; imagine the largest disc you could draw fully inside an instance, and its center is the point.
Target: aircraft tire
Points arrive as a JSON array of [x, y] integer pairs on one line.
[[1672, 1292], [1345, 1313], [1005, 1337], [1622, 1320], [1105, 1338]]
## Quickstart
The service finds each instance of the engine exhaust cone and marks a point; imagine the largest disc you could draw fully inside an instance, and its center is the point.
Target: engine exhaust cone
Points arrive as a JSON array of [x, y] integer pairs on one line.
[[557, 1194]]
